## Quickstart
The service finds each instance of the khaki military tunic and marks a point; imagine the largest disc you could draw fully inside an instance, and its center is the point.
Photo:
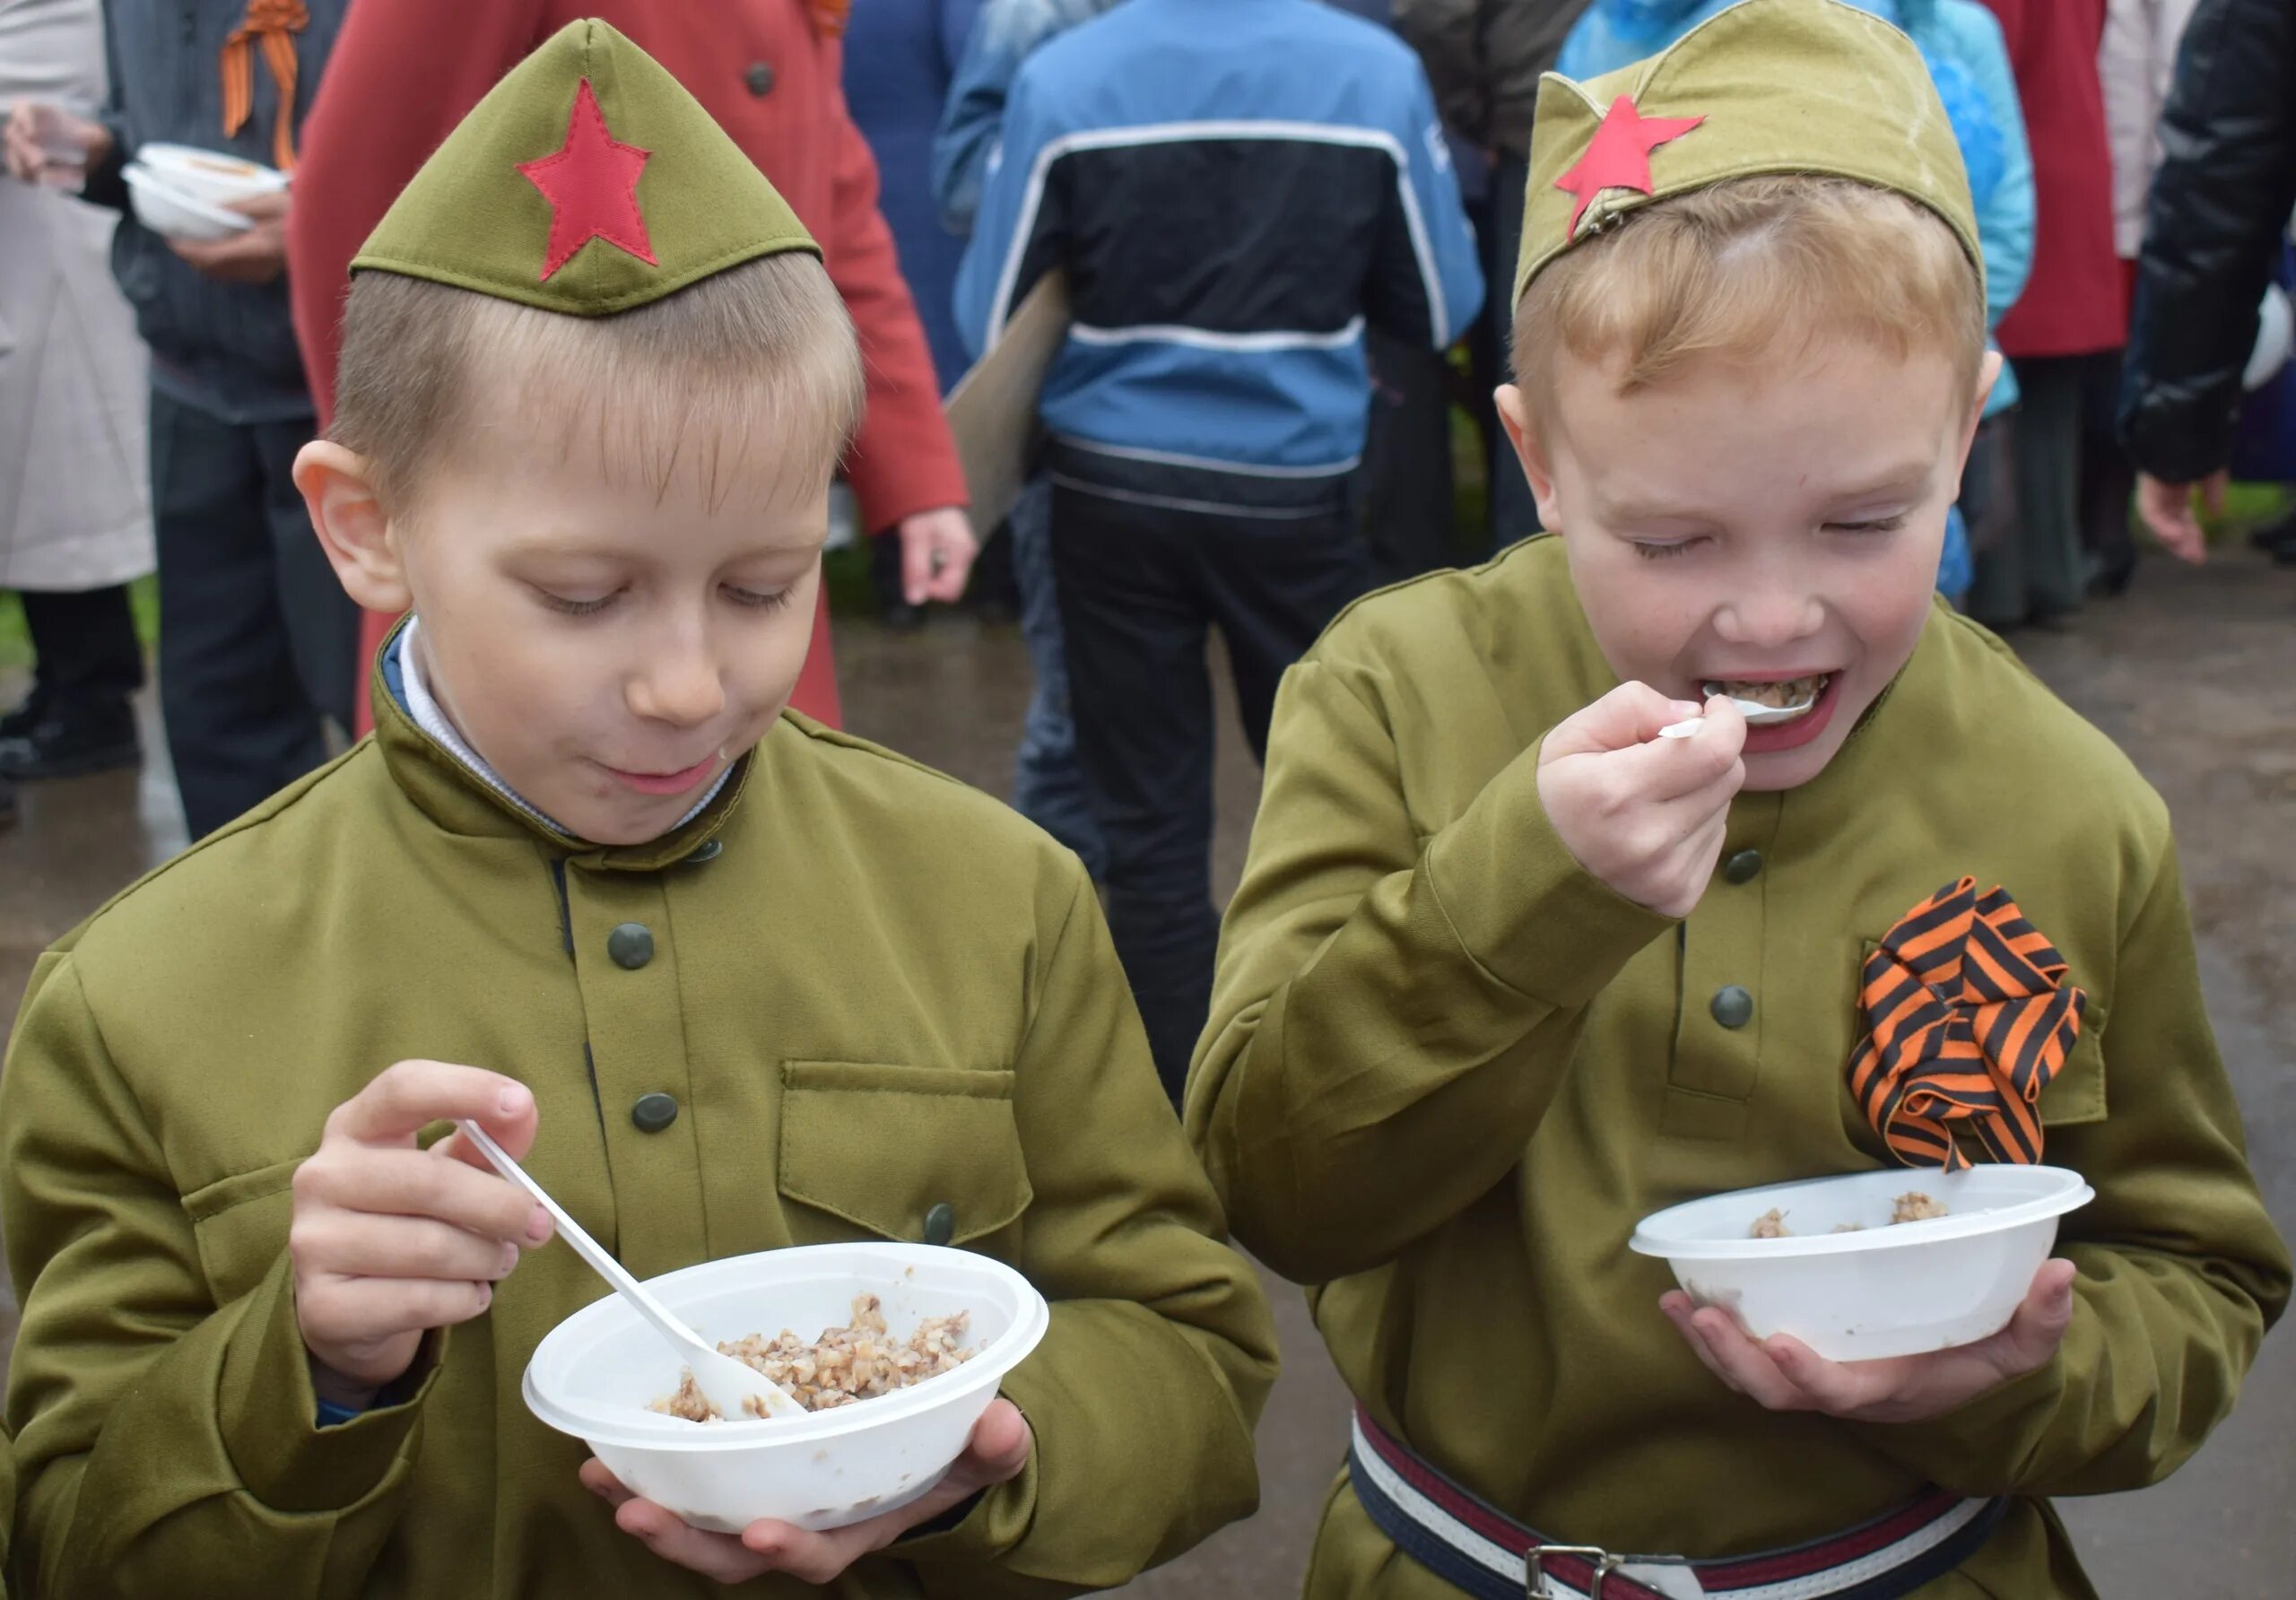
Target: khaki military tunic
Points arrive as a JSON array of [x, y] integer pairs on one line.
[[851, 1000], [1448, 1071]]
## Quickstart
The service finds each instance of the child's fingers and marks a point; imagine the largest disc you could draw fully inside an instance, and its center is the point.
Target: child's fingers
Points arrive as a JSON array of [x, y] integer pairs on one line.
[[1706, 764], [599, 1480], [2038, 1327], [409, 1096], [1629, 715], [364, 1245], [1000, 1445], [1831, 1387], [819, 1558], [1745, 1366], [719, 1556], [1679, 1310], [409, 1182], [366, 1311]]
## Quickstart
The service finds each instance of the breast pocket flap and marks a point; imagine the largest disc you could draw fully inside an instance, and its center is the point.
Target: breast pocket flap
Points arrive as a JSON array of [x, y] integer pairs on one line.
[[887, 1147]]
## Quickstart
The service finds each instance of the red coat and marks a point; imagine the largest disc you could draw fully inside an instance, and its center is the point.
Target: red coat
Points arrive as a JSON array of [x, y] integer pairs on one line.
[[2076, 302], [405, 72]]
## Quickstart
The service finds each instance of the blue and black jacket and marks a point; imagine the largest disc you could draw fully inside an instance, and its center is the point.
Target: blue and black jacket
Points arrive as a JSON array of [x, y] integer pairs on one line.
[[1236, 189]]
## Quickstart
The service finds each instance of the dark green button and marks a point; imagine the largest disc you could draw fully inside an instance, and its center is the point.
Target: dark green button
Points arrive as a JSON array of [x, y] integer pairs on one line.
[[1742, 867], [654, 1112], [1733, 1006], [760, 78], [709, 849], [632, 945], [940, 1223]]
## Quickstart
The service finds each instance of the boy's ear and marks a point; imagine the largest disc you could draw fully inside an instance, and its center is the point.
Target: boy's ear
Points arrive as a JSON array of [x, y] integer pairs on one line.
[[352, 529], [1530, 450]]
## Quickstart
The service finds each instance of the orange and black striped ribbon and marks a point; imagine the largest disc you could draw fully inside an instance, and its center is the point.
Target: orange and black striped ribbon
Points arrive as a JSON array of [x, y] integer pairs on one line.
[[1967, 1016], [268, 23]]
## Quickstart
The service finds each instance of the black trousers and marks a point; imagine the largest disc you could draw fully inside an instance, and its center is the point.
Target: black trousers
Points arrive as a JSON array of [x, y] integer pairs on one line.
[[1514, 514], [257, 642], [1141, 586], [85, 660], [1405, 479], [2033, 572]]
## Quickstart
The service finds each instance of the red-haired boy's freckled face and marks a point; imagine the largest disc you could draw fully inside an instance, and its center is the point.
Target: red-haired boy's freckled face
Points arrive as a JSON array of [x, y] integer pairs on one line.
[[609, 649], [1744, 523]]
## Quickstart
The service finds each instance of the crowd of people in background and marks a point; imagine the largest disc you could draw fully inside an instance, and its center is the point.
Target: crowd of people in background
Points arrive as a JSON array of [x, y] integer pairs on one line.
[[1252, 420]]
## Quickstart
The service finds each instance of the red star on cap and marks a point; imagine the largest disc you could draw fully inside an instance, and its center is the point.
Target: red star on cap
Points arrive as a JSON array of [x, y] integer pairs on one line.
[[592, 187], [1618, 157]]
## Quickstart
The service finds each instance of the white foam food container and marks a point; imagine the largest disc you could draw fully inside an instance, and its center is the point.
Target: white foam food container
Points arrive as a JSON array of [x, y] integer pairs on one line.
[[596, 1373], [208, 175], [1885, 1290], [167, 211]]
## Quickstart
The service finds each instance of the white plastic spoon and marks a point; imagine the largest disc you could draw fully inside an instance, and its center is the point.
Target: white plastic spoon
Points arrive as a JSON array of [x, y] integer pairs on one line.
[[1756, 714], [724, 1382]]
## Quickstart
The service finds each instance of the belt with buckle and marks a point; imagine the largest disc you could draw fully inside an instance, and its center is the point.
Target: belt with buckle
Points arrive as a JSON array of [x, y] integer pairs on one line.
[[1483, 1553]]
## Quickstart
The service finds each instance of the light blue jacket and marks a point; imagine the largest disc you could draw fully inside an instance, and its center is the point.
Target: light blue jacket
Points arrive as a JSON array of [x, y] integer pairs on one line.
[[1005, 34], [1236, 188], [1965, 31]]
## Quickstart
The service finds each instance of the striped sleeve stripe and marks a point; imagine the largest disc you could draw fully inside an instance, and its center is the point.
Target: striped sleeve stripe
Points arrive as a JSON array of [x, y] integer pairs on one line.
[[1170, 133]]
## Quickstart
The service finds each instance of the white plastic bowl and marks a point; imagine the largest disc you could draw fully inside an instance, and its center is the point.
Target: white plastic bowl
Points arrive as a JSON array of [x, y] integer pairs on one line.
[[167, 211], [596, 1372], [208, 175], [1887, 1290]]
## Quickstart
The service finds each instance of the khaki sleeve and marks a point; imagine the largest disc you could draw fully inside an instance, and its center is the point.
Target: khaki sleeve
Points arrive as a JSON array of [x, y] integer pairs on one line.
[[8, 1504], [2180, 1268], [167, 1447], [1390, 1019], [1146, 1391]]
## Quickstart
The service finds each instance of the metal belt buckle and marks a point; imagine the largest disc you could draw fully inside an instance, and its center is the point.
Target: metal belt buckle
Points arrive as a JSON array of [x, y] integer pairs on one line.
[[1535, 1584]]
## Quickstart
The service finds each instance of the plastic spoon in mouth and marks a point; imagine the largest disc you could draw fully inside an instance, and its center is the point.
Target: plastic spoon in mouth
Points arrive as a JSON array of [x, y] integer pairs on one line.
[[1756, 714], [726, 1383]]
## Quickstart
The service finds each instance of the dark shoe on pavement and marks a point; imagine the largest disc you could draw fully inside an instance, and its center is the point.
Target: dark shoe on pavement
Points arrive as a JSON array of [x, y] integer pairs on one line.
[[2277, 540], [7, 804], [902, 617], [71, 744], [19, 722]]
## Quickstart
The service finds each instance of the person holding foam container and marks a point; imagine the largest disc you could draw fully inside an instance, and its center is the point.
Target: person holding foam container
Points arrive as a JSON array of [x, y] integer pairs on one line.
[[1502, 981], [591, 886]]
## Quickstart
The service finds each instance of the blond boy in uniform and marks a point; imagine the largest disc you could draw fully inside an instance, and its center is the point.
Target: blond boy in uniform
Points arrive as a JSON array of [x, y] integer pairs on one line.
[[589, 885], [1509, 971]]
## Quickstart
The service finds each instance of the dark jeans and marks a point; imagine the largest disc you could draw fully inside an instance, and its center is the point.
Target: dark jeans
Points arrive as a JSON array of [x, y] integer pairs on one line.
[[2031, 572], [1514, 515], [1048, 785], [85, 660], [1406, 478], [257, 642], [2107, 473], [1140, 587]]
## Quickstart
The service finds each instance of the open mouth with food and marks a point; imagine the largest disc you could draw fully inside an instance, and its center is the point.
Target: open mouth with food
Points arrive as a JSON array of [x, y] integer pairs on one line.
[[1796, 696]]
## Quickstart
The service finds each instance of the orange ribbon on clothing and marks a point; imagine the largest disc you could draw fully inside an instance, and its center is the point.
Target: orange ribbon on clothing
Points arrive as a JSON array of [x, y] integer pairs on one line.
[[829, 17], [1969, 1017], [268, 23]]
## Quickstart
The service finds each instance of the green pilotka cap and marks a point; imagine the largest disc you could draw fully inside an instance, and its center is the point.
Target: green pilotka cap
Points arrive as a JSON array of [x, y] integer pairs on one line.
[[1767, 86], [589, 182]]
